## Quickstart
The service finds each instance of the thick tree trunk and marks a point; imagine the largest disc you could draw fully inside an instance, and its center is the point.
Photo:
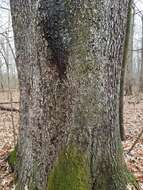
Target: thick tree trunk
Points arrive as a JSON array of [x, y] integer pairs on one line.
[[69, 58]]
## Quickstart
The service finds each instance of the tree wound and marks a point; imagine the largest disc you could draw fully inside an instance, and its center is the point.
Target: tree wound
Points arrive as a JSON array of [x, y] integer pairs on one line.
[[53, 22]]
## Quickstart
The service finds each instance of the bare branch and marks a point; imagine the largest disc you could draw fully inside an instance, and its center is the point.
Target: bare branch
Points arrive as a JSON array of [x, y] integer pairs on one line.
[[9, 103], [2, 108], [135, 142], [9, 44], [5, 8]]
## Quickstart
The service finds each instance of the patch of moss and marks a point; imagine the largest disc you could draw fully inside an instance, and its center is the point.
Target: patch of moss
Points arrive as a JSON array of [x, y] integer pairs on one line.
[[71, 172], [33, 187], [127, 175], [85, 68], [131, 179], [12, 159]]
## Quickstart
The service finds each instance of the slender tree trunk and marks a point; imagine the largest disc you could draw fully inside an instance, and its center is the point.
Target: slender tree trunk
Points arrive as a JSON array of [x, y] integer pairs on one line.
[[129, 61], [69, 59], [1, 77], [141, 71], [125, 64]]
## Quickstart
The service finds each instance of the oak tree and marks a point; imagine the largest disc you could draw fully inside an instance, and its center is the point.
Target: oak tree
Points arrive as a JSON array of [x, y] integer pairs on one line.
[[69, 57]]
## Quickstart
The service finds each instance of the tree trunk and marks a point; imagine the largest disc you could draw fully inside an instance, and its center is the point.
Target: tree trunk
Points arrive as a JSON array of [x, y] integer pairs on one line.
[[129, 61], [69, 58], [141, 71], [125, 64]]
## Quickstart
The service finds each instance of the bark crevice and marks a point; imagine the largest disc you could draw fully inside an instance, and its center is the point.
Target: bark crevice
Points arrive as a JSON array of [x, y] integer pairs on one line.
[[52, 19]]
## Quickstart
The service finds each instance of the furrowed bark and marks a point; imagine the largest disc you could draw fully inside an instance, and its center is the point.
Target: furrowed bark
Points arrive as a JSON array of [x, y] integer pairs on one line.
[[74, 52], [23, 35]]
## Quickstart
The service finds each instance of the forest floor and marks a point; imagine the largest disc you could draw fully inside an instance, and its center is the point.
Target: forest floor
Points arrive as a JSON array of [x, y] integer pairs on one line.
[[133, 122]]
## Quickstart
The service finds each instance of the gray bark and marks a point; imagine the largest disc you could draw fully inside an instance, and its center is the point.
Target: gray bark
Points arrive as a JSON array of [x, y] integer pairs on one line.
[[125, 81], [129, 61], [69, 58], [141, 71]]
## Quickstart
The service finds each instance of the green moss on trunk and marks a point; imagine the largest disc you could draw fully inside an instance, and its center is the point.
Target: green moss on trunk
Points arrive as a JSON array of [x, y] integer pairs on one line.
[[12, 159], [71, 172]]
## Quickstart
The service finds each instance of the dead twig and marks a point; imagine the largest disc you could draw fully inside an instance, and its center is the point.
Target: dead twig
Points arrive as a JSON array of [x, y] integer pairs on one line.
[[2, 108], [135, 142], [9, 102]]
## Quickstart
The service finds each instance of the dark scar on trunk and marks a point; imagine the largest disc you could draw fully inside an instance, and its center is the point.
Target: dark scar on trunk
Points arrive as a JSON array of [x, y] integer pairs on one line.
[[53, 16]]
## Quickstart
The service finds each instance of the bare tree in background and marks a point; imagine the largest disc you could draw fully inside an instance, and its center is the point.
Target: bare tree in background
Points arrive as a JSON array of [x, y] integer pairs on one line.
[[6, 46], [129, 61], [1, 75], [123, 70], [141, 70], [7, 78], [5, 54]]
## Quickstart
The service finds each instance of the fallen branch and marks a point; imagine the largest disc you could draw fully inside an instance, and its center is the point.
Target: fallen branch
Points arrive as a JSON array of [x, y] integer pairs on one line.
[[135, 142], [8, 109], [9, 102]]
